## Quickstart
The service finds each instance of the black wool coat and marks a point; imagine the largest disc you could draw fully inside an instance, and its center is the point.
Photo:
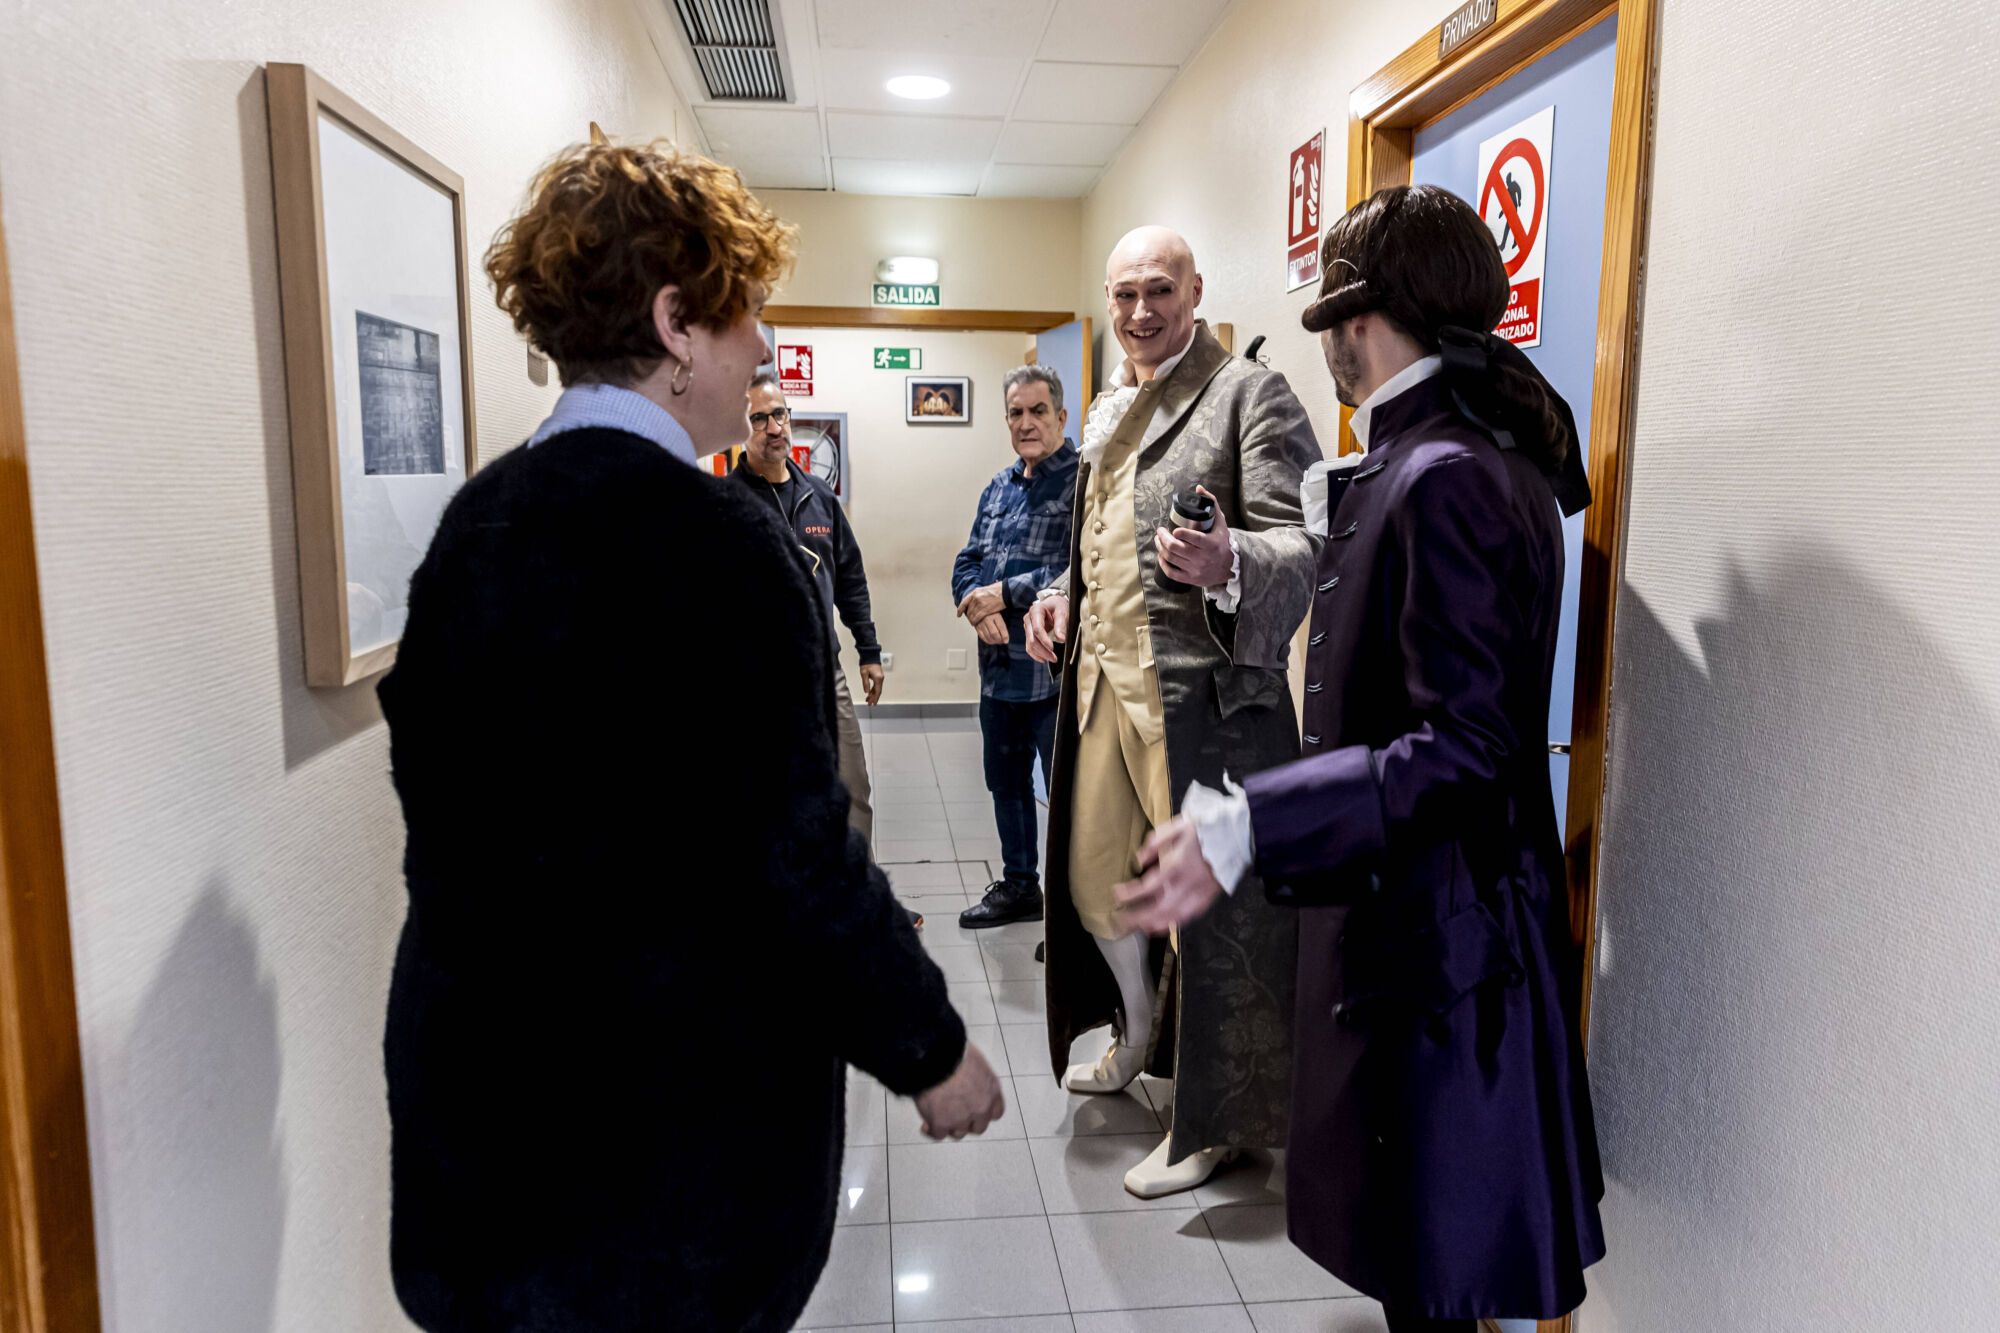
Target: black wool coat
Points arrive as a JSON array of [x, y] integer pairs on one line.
[[642, 944]]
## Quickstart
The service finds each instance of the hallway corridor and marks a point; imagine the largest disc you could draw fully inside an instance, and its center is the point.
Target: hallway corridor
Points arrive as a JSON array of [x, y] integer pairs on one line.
[[1029, 1229]]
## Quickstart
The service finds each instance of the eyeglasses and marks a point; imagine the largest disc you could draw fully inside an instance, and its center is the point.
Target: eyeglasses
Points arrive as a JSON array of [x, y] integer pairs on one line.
[[778, 414]]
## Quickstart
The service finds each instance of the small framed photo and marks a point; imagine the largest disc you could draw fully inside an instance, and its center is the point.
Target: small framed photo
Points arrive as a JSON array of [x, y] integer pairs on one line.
[[938, 400], [378, 363]]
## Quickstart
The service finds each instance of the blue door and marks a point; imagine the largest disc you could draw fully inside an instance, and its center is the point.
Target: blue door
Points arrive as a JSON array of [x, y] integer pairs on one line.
[[1062, 350], [1576, 80]]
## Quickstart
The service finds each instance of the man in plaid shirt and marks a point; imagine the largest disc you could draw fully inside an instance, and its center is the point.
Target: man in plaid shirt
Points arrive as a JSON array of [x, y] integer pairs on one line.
[[1020, 544]]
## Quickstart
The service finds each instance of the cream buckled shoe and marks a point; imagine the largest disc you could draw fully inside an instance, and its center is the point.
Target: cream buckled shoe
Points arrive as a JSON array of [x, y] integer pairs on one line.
[[1153, 1178], [1113, 1072]]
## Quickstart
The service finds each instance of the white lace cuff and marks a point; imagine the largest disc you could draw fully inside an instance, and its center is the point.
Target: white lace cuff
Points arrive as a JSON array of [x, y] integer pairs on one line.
[[1221, 822], [1230, 595]]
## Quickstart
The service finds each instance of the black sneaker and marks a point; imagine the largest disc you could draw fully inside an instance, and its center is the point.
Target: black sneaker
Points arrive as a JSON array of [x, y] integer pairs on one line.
[[1006, 902]]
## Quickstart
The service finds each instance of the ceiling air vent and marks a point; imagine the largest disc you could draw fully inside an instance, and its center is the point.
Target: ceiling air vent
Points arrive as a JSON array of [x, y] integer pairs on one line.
[[736, 43]]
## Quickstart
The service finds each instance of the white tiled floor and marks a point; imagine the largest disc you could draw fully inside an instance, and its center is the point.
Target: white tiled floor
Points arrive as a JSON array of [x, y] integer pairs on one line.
[[1029, 1229]]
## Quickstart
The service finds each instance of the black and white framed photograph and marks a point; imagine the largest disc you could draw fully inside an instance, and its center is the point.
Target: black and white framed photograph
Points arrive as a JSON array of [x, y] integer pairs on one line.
[[938, 400], [377, 318], [819, 445]]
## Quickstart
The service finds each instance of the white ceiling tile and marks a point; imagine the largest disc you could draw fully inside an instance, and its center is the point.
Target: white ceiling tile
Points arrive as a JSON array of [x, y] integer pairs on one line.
[[781, 171], [980, 85], [1037, 182], [910, 138], [859, 176], [1104, 94], [932, 27], [733, 130], [1134, 34], [1060, 145]]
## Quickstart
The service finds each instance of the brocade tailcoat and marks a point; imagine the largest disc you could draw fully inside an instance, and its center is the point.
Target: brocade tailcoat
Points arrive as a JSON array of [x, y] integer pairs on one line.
[[1222, 1029]]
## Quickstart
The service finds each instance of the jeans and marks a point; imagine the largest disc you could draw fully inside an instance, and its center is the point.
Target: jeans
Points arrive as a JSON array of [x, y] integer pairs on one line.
[[1014, 734]]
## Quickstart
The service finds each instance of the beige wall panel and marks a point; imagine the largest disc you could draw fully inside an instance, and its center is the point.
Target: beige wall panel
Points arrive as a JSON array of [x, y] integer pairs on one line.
[[915, 489], [993, 254]]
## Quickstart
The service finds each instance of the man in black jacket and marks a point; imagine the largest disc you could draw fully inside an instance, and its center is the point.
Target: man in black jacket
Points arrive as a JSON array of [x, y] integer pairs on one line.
[[813, 512]]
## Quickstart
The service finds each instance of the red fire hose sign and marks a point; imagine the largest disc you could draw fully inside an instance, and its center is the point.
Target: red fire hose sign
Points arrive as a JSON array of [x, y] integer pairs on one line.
[[1514, 199]]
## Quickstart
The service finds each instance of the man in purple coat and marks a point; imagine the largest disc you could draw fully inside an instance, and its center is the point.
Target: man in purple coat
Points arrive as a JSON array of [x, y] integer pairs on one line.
[[1442, 1155]]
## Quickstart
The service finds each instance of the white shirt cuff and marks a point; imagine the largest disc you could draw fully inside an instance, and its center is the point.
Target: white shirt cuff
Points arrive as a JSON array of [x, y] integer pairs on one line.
[[1230, 595], [1221, 822]]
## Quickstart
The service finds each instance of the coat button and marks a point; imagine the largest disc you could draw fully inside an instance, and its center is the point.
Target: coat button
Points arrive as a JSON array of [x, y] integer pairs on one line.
[[1317, 640], [1315, 687], [1312, 740], [1330, 584], [1100, 647]]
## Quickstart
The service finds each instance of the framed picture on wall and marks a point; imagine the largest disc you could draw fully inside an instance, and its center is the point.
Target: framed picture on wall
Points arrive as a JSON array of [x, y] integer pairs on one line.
[[937, 400], [378, 362], [819, 445]]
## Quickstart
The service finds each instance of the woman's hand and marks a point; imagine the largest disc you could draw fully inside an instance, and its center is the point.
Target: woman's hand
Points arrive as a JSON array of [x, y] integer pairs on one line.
[[965, 1103]]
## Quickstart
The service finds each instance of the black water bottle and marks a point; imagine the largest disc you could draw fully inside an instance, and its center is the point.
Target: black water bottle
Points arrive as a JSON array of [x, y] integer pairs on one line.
[[1195, 511]]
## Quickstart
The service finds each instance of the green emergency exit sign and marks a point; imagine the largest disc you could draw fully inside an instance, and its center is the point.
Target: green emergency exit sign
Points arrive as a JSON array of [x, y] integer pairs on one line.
[[899, 358], [899, 293]]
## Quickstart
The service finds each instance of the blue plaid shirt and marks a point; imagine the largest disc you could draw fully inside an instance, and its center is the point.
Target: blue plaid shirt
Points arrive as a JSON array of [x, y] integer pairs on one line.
[[1020, 540]]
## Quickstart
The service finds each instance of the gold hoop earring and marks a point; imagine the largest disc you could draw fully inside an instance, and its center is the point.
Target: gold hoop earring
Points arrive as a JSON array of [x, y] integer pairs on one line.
[[676, 383]]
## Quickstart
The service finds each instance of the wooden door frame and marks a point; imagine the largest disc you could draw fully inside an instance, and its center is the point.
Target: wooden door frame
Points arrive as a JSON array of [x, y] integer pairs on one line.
[[48, 1247], [1417, 89]]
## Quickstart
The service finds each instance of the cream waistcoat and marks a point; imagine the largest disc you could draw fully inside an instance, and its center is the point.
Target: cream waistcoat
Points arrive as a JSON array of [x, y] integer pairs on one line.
[[1113, 634]]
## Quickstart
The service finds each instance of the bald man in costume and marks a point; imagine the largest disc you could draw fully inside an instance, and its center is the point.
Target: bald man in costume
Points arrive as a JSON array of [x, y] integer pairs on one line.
[[1166, 683]]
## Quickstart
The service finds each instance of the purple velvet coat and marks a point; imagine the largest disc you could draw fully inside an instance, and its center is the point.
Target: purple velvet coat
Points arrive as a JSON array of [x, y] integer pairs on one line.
[[1442, 1156]]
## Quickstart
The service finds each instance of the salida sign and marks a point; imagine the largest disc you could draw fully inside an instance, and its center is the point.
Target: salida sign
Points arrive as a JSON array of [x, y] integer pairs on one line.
[[1513, 196], [1302, 172]]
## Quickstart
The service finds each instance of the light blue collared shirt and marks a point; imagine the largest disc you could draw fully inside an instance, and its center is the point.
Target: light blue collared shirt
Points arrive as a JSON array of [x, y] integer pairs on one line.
[[608, 407]]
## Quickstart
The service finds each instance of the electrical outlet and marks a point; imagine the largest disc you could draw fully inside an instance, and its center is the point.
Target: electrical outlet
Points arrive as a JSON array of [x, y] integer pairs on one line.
[[888, 661], [954, 659]]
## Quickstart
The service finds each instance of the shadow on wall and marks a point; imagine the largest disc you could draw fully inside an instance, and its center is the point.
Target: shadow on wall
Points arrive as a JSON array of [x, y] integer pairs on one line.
[[196, 1212], [315, 720], [1792, 1041]]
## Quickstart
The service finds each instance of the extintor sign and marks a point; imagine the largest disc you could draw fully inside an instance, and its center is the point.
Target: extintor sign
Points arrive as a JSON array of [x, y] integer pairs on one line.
[[1302, 173], [795, 369]]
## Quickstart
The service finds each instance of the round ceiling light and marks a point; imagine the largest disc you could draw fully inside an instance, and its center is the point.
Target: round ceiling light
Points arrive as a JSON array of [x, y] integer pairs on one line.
[[918, 87]]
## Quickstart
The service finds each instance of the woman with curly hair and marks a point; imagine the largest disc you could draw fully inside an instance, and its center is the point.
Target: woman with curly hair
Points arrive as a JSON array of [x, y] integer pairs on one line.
[[612, 1108]]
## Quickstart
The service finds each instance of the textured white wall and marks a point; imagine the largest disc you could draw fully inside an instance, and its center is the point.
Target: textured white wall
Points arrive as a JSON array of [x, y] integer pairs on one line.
[[233, 842], [1794, 1045]]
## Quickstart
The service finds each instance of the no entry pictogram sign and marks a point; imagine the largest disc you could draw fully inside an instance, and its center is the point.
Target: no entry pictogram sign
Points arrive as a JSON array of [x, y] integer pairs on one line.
[[1513, 197]]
